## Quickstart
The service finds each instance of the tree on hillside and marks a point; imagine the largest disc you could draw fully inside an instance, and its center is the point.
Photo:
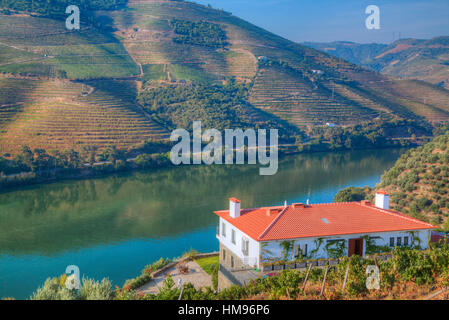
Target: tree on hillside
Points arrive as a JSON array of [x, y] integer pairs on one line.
[[351, 194]]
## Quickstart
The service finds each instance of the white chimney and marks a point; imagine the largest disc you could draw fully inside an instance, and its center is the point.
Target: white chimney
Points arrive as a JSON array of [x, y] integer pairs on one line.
[[234, 207], [382, 200]]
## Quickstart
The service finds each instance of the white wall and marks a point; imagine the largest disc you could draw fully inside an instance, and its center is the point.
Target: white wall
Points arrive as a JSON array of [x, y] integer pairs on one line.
[[273, 249], [254, 246]]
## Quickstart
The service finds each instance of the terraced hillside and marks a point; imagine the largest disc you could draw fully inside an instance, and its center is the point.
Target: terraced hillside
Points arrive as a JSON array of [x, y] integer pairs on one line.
[[294, 83], [302, 102], [404, 98], [148, 37], [48, 49], [325, 89], [63, 114]]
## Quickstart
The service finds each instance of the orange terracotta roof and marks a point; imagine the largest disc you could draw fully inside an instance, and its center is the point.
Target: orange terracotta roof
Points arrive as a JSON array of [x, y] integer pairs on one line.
[[320, 220], [234, 199]]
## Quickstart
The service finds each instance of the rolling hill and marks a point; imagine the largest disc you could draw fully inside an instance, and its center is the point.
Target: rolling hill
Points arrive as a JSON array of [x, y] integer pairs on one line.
[[69, 89], [426, 60]]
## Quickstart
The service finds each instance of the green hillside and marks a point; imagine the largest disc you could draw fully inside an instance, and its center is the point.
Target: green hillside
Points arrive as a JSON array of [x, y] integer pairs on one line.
[[48, 49], [419, 182]]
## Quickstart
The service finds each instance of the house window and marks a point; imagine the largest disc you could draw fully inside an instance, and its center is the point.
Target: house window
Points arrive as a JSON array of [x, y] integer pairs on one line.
[[245, 246], [391, 242], [223, 229], [304, 250], [233, 236], [296, 250], [224, 255], [398, 241], [232, 262], [405, 241]]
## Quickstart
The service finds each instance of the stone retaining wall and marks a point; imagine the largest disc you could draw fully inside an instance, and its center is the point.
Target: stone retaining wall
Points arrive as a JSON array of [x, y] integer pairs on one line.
[[314, 263]]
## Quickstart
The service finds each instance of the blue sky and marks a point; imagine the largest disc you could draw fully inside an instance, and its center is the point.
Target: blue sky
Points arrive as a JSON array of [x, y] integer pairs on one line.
[[330, 20]]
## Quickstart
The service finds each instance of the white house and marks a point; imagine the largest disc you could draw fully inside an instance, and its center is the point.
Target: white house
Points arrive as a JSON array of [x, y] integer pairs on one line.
[[250, 237]]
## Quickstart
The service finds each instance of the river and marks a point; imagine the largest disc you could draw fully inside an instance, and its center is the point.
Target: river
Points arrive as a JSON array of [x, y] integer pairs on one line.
[[112, 227]]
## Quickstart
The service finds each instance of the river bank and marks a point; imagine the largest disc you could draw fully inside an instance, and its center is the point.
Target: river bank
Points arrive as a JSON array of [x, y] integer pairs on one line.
[[113, 225], [142, 163]]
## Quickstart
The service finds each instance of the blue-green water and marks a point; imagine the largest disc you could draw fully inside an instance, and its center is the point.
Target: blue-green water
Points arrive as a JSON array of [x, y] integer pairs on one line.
[[112, 227]]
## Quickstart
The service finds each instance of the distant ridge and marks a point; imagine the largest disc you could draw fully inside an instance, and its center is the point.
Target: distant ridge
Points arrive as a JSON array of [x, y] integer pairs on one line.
[[426, 60]]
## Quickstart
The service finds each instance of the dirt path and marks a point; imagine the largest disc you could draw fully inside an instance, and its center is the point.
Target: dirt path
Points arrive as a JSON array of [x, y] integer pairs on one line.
[[438, 295]]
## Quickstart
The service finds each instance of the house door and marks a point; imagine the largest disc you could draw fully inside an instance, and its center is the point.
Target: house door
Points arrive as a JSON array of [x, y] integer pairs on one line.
[[355, 246]]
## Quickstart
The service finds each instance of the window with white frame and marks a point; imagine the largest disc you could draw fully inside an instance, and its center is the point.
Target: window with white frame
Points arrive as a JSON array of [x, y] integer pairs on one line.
[[296, 250], [223, 229], [304, 250], [245, 246], [233, 236]]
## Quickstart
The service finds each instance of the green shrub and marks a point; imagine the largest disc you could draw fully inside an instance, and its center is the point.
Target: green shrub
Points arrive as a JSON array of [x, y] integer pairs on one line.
[[357, 276], [445, 278], [145, 276], [201, 33], [52, 290], [215, 277], [352, 194], [413, 265], [94, 290], [55, 289]]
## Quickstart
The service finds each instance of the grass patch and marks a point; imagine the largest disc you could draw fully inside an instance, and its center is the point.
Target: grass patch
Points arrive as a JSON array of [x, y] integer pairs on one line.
[[208, 264], [154, 72]]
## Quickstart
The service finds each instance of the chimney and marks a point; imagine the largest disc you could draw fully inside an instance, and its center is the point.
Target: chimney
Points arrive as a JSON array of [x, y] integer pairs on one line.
[[365, 203], [271, 211], [382, 200], [234, 207]]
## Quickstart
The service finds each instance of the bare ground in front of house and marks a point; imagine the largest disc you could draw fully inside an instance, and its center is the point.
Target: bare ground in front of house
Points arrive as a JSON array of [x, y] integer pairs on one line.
[[196, 276]]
